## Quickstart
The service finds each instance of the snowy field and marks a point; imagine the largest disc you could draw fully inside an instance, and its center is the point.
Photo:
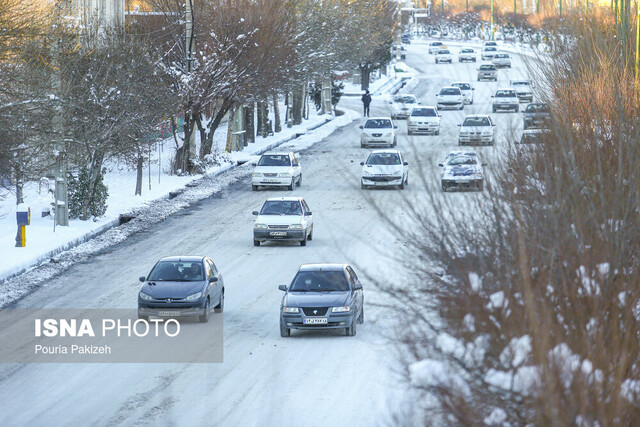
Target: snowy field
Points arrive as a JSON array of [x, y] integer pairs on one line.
[[311, 378]]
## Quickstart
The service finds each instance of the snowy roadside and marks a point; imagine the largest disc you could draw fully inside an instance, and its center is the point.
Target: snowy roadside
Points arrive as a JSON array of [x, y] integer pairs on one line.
[[51, 252]]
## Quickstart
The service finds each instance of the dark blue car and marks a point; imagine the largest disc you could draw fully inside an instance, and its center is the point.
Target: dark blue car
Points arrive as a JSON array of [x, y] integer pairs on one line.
[[181, 286], [322, 296]]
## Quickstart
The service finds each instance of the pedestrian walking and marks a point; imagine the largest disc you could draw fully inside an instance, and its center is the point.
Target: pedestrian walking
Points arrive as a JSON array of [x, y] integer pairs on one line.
[[366, 101]]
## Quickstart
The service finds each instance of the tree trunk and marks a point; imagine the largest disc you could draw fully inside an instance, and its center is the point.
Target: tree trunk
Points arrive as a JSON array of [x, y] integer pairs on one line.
[[249, 124], [365, 73], [139, 166], [19, 182], [94, 173], [206, 145], [181, 163], [260, 118], [298, 106], [276, 114]]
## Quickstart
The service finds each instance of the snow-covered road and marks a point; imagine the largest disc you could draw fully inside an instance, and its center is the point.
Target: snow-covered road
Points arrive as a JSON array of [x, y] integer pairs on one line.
[[312, 378]]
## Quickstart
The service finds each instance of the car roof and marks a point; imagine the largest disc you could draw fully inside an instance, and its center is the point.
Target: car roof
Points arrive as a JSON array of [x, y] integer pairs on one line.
[[424, 106], [460, 83], [183, 258], [520, 82], [378, 118], [461, 153], [284, 199], [388, 151], [277, 153], [323, 267], [529, 131], [476, 115], [449, 87]]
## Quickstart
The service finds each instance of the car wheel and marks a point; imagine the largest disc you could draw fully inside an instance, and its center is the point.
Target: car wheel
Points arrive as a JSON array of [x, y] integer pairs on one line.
[[303, 242], [436, 61], [517, 108], [402, 185], [256, 242], [362, 186], [284, 331], [494, 110], [290, 187], [409, 133], [471, 102], [361, 316], [220, 307], [480, 186], [351, 330], [299, 183], [362, 145], [310, 235], [254, 188], [444, 188], [437, 132], [205, 315], [462, 106]]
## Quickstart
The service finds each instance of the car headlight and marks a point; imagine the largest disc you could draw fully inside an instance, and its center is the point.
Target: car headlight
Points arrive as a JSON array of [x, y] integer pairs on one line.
[[388, 135], [260, 226], [486, 133], [290, 310], [284, 174], [193, 297], [144, 296], [366, 173], [342, 309], [478, 175], [256, 175], [296, 226]]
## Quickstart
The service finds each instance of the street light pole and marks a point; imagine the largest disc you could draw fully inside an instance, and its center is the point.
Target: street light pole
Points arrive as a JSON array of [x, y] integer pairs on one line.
[[637, 40]]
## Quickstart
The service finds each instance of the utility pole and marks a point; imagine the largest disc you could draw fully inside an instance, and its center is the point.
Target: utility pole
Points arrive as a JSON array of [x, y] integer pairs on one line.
[[189, 40], [491, 29], [637, 40], [560, 7], [586, 7]]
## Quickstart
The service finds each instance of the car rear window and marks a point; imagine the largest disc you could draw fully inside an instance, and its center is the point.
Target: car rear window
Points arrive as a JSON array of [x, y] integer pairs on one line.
[[281, 207], [450, 91], [378, 124], [436, 43], [424, 112], [274, 160], [443, 52], [177, 271], [463, 160], [476, 121], [383, 159], [405, 99], [319, 281], [537, 108], [487, 67], [462, 86], [490, 49], [466, 51], [505, 94]]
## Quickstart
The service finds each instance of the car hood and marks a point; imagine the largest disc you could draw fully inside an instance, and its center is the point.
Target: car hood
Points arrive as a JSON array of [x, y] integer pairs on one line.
[[504, 99], [316, 299], [450, 97], [486, 71], [272, 169], [424, 119], [279, 219], [476, 128], [380, 130], [383, 169], [457, 171], [172, 289], [523, 90], [536, 115]]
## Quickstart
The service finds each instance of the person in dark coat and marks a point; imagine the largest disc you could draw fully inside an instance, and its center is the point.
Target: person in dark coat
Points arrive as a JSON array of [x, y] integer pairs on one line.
[[366, 101]]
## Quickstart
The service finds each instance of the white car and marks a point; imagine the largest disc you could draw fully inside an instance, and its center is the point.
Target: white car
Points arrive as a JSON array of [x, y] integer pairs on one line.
[[477, 129], [462, 170], [434, 47], [378, 131], [506, 99], [402, 105], [467, 91], [277, 170], [501, 60], [523, 90], [444, 55], [283, 219], [424, 120], [384, 168], [467, 55], [450, 97], [488, 52], [489, 43]]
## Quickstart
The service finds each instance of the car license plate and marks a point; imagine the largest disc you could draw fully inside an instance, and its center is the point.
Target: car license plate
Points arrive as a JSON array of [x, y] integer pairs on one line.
[[168, 313], [315, 321], [278, 233], [270, 180]]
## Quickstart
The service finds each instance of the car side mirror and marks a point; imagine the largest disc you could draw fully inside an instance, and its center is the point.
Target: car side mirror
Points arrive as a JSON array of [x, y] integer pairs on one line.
[[484, 164], [493, 96], [141, 278], [255, 213], [437, 94], [406, 163], [473, 88], [459, 124], [254, 164], [283, 288], [494, 125], [357, 286], [213, 279], [440, 164], [360, 127], [308, 213], [361, 163], [395, 126]]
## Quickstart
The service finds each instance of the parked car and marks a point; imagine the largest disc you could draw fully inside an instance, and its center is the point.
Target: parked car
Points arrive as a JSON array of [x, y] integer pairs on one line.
[[524, 90], [444, 55], [462, 170], [450, 97], [434, 47], [537, 115], [322, 296], [406, 38], [505, 99], [384, 168], [181, 286], [467, 91], [283, 219], [488, 52], [477, 129], [402, 105], [534, 136], [378, 131], [277, 170], [501, 60], [487, 72], [467, 55], [424, 120]]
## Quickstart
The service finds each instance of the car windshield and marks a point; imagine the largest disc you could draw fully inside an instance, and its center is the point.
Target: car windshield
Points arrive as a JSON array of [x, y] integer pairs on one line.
[[436, 44], [281, 207], [462, 160], [175, 271], [424, 112], [487, 67], [476, 121], [530, 138], [505, 94], [405, 99], [501, 55], [450, 91], [443, 52], [519, 83], [537, 108], [274, 160], [491, 44], [383, 159], [378, 124], [466, 51], [319, 281], [490, 49], [462, 86]]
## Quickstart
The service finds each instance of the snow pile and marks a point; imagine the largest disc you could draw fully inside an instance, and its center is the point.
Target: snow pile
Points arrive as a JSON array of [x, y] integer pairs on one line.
[[496, 417], [434, 373]]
